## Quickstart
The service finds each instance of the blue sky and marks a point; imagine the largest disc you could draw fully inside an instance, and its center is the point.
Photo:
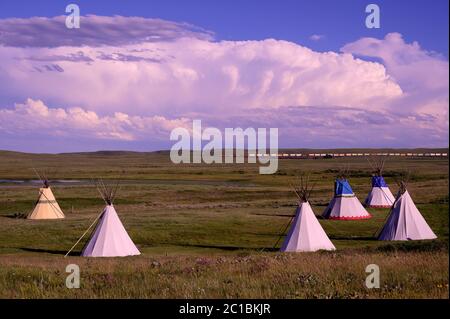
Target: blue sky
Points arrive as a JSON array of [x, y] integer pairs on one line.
[[136, 70], [293, 20]]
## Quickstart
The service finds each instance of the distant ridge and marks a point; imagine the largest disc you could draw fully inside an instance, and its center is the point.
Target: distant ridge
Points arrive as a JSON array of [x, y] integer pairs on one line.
[[281, 150], [105, 152]]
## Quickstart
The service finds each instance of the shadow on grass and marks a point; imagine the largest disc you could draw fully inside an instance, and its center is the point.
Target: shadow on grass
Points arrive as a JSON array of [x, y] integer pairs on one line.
[[419, 245], [50, 251], [230, 248], [271, 215], [16, 216], [353, 238]]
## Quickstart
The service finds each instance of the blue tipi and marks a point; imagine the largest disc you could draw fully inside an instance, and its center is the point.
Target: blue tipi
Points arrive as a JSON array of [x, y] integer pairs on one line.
[[344, 205]]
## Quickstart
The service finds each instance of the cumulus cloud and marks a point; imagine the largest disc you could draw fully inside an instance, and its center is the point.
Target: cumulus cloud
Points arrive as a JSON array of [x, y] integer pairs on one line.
[[94, 31], [298, 126], [423, 75], [138, 80], [35, 116], [195, 75]]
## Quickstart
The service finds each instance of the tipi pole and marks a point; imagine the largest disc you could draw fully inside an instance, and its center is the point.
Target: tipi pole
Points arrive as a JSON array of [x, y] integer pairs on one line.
[[51, 204], [383, 224], [32, 208], [386, 197], [95, 220], [37, 174], [401, 184], [387, 217], [284, 230]]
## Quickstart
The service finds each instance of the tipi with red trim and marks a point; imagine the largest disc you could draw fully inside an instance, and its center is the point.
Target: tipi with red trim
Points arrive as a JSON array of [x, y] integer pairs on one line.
[[345, 205]]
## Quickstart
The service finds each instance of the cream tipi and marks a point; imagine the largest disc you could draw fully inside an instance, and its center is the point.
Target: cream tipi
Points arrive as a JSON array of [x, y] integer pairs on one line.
[[46, 206], [306, 233], [109, 239], [380, 195], [405, 221]]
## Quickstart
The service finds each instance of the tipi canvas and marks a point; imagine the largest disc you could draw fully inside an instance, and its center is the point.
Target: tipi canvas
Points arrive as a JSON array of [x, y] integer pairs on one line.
[[380, 196], [345, 205], [109, 239], [46, 206], [306, 233], [405, 221]]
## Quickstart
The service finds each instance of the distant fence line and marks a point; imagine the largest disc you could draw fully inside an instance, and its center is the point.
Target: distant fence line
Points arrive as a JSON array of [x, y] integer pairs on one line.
[[332, 155]]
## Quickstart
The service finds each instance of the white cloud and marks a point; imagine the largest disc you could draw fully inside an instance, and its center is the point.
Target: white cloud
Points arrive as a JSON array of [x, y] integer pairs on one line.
[[35, 116], [423, 75], [131, 86], [305, 126], [316, 37], [194, 75]]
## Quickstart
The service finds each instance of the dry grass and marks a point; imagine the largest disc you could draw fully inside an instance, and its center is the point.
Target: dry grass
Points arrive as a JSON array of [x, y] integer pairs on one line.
[[318, 275]]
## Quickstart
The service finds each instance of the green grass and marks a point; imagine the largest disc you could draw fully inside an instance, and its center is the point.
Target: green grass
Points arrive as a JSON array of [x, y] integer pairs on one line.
[[208, 231]]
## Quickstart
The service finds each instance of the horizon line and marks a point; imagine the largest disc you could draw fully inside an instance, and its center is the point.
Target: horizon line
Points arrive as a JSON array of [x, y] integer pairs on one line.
[[234, 149]]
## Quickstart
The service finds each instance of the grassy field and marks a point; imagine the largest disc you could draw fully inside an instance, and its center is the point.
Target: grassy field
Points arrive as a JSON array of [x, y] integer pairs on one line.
[[208, 231]]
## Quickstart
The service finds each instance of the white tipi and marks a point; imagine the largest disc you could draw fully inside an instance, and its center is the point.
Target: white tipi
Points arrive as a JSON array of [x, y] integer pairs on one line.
[[380, 196], [306, 233], [405, 221], [344, 205], [109, 239], [46, 206]]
